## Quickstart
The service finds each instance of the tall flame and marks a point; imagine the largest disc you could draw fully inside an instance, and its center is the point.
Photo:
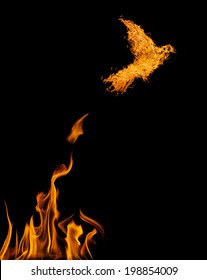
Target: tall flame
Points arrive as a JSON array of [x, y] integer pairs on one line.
[[53, 239], [147, 58]]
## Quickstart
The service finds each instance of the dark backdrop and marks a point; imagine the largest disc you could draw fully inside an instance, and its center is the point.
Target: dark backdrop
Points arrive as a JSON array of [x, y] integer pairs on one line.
[[136, 168]]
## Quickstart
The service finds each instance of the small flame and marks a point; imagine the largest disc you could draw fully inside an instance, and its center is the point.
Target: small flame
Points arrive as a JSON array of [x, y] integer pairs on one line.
[[76, 130], [43, 241], [147, 58]]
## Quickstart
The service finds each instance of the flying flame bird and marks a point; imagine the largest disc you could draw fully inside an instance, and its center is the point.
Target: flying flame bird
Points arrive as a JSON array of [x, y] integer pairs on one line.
[[147, 58], [43, 241]]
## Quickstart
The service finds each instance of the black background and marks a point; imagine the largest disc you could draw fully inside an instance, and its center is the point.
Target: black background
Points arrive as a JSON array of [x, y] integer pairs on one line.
[[136, 168]]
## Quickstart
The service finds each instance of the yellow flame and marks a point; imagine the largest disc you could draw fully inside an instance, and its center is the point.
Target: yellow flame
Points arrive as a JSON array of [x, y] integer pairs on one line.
[[5, 246], [76, 130], [43, 241], [147, 58]]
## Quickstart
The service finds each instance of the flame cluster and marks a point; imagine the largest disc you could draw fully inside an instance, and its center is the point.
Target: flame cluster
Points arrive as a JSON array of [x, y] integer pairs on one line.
[[43, 241]]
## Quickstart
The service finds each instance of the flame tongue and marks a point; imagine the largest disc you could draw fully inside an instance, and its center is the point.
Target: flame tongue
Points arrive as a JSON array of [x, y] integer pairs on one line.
[[44, 241], [76, 130]]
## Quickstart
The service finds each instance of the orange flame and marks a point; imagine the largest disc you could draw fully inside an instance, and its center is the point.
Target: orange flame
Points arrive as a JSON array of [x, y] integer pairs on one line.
[[147, 58], [43, 241]]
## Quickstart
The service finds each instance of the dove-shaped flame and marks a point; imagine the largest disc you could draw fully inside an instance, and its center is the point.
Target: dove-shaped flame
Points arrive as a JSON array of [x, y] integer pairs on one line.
[[147, 57]]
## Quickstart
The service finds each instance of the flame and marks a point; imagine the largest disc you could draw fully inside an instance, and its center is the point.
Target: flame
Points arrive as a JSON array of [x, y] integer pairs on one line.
[[77, 129], [147, 58], [43, 241]]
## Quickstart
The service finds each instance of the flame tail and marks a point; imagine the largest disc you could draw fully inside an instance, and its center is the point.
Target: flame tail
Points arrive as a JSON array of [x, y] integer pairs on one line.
[[6, 243]]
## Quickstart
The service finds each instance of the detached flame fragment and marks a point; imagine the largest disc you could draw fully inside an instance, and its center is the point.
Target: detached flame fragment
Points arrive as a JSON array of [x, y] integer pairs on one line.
[[43, 241], [147, 58]]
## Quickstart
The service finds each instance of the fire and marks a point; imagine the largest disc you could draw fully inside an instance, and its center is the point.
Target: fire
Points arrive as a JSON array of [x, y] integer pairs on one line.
[[147, 58], [53, 239]]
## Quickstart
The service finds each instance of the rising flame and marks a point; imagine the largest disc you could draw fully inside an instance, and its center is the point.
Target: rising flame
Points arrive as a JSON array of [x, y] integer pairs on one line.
[[147, 57], [44, 241]]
